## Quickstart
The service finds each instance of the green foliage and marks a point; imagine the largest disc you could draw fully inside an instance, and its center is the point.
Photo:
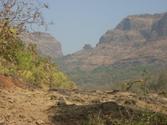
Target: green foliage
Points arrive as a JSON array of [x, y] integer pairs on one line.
[[23, 62], [119, 76], [113, 77]]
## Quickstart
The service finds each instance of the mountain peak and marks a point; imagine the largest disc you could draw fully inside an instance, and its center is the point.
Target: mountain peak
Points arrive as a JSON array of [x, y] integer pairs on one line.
[[46, 44], [137, 28]]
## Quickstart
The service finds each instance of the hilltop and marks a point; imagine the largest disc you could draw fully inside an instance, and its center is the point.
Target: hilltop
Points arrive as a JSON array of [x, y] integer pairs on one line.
[[46, 44]]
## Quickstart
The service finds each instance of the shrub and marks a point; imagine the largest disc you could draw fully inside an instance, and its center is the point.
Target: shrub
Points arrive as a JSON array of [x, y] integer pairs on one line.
[[94, 120], [23, 62]]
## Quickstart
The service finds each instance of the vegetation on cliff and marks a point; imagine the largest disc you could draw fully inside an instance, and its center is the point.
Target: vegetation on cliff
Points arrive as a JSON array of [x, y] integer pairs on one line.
[[22, 61]]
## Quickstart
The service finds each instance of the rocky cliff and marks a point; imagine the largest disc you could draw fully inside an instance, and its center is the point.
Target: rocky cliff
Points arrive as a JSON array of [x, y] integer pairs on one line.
[[141, 38], [46, 44]]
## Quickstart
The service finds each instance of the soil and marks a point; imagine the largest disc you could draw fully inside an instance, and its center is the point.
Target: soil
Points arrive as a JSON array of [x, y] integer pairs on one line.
[[21, 106]]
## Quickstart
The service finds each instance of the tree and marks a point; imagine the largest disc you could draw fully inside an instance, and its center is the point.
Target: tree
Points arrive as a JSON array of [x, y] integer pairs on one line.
[[21, 14], [17, 16]]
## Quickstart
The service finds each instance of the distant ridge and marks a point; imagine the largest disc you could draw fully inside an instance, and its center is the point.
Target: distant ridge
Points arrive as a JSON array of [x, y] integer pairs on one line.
[[137, 37], [46, 44]]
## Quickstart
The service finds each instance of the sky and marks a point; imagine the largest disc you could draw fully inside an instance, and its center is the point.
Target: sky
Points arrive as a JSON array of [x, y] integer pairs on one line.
[[78, 22]]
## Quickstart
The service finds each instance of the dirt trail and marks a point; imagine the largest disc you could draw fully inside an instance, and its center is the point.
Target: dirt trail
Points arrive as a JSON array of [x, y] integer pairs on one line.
[[20, 106], [23, 107]]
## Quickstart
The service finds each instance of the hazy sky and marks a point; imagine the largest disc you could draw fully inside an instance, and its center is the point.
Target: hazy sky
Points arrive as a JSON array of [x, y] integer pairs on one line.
[[77, 22]]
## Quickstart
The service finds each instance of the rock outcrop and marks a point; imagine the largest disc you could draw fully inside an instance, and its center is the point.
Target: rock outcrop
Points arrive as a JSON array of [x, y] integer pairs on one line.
[[87, 47], [46, 44], [160, 27]]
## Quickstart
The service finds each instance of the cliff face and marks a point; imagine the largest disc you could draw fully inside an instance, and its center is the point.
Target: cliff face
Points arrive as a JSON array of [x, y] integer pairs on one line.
[[46, 44], [135, 37], [132, 29], [138, 37], [160, 27]]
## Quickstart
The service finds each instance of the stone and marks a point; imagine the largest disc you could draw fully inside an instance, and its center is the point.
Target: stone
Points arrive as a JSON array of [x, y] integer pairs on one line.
[[2, 121], [40, 122]]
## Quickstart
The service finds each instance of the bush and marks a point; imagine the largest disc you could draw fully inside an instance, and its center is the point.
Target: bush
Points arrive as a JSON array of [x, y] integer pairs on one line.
[[94, 120], [23, 62]]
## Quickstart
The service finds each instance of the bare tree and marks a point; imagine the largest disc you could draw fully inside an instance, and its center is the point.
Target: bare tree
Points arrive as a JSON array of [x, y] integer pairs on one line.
[[21, 14], [17, 16]]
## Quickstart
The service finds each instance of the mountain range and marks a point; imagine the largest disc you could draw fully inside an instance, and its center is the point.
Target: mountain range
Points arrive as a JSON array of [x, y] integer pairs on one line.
[[135, 47]]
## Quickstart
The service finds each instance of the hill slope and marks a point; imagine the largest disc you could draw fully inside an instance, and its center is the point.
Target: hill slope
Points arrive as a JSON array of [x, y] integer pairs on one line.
[[138, 42], [46, 44]]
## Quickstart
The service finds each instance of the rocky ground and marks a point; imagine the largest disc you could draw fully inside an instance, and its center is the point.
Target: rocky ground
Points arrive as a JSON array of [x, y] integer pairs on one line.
[[20, 106]]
